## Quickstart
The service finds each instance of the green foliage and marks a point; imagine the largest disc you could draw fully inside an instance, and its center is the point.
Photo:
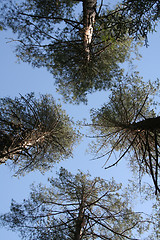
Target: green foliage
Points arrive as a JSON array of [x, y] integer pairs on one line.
[[138, 18], [35, 133], [75, 78], [128, 124], [74, 206], [156, 220], [50, 35], [124, 104], [144, 15]]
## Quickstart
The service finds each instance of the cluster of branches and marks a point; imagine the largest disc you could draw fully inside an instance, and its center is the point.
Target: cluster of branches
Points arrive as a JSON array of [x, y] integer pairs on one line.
[[34, 133], [75, 207], [128, 124], [83, 51], [139, 18]]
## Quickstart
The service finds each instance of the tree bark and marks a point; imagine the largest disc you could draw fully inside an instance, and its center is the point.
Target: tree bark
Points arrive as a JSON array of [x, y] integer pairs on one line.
[[80, 220], [147, 124], [89, 15]]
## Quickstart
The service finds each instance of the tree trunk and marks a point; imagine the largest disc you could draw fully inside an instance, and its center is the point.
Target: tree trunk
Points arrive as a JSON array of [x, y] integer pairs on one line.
[[147, 124], [89, 14], [79, 223]]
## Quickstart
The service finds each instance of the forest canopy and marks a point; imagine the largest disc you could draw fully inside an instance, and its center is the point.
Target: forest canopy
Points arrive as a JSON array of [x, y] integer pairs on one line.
[[86, 46], [81, 43], [75, 207]]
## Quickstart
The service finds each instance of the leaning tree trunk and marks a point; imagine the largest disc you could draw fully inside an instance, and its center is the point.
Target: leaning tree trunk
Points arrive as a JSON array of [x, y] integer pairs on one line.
[[147, 124], [89, 14], [151, 125], [144, 139]]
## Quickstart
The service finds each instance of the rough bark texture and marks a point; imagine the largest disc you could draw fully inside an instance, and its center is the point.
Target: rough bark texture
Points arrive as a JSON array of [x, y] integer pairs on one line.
[[89, 14]]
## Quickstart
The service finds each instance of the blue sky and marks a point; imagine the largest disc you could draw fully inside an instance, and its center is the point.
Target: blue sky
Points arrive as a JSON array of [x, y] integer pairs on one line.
[[22, 78]]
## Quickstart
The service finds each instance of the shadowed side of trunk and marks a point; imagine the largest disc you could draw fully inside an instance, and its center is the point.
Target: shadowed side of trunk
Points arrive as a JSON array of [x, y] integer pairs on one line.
[[5, 143], [11, 145]]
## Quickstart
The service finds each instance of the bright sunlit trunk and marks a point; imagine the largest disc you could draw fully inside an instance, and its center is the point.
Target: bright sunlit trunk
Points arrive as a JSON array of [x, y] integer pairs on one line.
[[89, 14]]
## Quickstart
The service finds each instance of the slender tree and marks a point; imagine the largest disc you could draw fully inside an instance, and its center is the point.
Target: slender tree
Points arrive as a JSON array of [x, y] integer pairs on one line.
[[34, 133], [74, 207], [128, 124]]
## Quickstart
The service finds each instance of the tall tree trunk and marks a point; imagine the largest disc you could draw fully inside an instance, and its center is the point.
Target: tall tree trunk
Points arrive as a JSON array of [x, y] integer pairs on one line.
[[79, 223], [89, 14]]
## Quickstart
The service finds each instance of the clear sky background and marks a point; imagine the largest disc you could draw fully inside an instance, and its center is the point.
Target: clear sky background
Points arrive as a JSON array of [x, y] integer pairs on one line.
[[22, 78]]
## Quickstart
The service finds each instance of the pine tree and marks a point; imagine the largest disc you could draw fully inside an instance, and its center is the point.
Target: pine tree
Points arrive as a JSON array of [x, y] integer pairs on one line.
[[75, 207], [128, 124], [34, 133]]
